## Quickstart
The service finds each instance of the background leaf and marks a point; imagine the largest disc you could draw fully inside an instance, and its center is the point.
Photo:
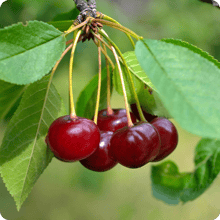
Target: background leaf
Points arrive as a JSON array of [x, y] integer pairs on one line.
[[9, 95], [61, 25], [63, 21], [86, 102], [187, 82], [28, 52], [71, 15], [147, 94], [172, 187], [207, 167], [167, 182], [23, 153]]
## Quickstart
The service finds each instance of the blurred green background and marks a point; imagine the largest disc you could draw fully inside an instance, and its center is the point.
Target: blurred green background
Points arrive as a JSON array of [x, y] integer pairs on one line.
[[67, 190]]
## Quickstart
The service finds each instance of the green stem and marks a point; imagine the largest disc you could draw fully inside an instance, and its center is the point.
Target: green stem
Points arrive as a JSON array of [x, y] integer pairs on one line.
[[99, 84], [72, 108], [102, 32], [58, 62], [99, 38], [113, 20], [130, 123], [119, 27], [73, 27], [106, 55], [109, 108]]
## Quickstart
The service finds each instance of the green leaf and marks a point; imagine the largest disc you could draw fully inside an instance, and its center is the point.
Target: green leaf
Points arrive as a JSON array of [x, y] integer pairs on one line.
[[63, 21], [188, 84], [61, 25], [23, 153], [85, 106], [207, 168], [136, 69], [28, 52], [9, 94], [147, 94], [71, 15], [172, 187], [167, 182]]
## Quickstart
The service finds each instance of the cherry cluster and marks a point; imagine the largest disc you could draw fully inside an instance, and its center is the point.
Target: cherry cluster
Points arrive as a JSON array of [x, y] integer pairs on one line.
[[100, 147], [115, 135]]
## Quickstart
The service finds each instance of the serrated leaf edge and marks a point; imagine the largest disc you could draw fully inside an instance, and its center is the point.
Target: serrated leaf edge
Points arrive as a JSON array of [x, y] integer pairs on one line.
[[18, 203]]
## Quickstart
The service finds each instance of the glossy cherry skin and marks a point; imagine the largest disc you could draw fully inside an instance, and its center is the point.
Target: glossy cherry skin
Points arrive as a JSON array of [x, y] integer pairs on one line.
[[73, 139], [147, 116], [168, 135], [135, 146], [114, 121], [100, 161]]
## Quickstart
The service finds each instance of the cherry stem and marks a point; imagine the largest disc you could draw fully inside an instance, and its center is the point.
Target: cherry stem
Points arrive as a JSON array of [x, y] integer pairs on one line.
[[108, 60], [109, 108], [72, 108], [56, 65], [99, 84], [106, 55], [113, 20], [130, 124], [99, 38], [129, 75], [73, 27], [119, 27], [58, 62]]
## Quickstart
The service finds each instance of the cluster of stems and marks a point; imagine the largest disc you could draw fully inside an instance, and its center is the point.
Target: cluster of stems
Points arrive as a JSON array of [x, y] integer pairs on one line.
[[103, 42]]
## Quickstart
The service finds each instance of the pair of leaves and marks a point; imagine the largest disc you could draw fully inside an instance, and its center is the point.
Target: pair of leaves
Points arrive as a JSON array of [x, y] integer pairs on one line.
[[23, 153], [27, 53], [172, 187]]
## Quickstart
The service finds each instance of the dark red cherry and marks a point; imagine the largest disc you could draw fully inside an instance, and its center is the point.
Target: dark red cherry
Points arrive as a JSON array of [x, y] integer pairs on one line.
[[114, 121], [100, 160], [168, 135], [135, 146], [147, 116], [73, 139]]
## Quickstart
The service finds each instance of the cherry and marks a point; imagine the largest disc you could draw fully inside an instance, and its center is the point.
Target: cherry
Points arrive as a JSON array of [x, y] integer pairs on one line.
[[135, 146], [168, 135], [147, 116], [100, 160], [115, 121], [73, 139]]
